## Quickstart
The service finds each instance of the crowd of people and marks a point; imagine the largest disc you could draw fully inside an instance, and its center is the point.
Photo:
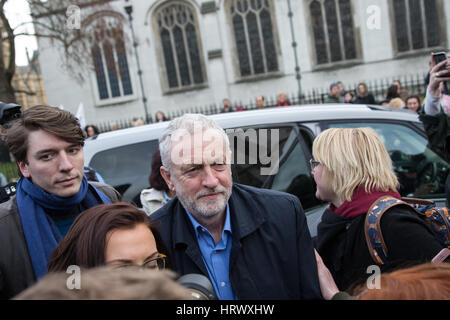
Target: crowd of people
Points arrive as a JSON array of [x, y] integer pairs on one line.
[[251, 243], [396, 96], [260, 103], [92, 130]]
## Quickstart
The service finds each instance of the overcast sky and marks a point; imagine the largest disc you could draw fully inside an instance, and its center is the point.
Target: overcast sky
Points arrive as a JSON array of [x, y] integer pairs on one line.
[[17, 11]]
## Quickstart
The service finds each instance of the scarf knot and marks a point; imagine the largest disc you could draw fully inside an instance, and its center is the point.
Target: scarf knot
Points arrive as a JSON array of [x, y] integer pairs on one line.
[[51, 201], [41, 232]]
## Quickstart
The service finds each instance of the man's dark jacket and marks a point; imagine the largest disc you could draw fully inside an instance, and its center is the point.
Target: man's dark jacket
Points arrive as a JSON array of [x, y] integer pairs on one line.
[[16, 270], [272, 254], [437, 128]]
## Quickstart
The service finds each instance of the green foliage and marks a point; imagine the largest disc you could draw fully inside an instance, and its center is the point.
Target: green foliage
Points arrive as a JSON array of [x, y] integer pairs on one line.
[[10, 170]]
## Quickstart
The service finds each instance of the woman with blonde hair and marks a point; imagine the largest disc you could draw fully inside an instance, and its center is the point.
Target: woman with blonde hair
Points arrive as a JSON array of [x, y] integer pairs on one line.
[[396, 103], [352, 169]]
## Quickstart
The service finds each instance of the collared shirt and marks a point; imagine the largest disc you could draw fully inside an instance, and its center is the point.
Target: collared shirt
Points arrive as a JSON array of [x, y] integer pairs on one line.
[[166, 196], [216, 257]]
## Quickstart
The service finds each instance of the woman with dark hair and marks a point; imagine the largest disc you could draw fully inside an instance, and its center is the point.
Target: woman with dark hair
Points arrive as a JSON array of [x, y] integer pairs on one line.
[[349, 97], [392, 93], [413, 103], [91, 130], [159, 194], [116, 234], [160, 117]]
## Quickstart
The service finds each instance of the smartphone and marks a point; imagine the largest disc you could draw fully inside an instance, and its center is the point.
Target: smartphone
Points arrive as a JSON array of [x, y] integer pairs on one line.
[[438, 57]]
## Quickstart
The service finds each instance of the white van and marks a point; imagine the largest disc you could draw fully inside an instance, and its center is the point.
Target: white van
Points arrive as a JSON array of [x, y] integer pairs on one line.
[[123, 157]]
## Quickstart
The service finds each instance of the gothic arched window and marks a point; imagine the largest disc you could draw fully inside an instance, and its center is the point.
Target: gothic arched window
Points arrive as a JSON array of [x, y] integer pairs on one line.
[[110, 59], [253, 29], [417, 24], [181, 55], [333, 30]]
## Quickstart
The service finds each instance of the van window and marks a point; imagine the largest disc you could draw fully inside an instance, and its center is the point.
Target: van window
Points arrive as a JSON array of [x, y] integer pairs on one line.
[[255, 155], [295, 177], [126, 168]]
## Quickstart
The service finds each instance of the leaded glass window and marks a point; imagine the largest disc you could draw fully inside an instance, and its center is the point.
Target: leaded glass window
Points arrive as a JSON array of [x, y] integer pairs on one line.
[[111, 68], [99, 72], [181, 55], [348, 32], [332, 30], [417, 24], [110, 59], [252, 24], [123, 67]]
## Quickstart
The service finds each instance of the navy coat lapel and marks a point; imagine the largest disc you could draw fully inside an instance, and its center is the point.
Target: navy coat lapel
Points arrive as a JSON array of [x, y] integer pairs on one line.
[[244, 221]]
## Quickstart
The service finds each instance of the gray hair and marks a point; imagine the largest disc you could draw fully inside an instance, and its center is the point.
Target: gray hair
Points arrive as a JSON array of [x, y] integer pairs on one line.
[[188, 122]]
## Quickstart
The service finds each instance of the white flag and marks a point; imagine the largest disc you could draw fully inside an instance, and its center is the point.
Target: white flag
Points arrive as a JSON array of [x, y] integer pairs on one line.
[[80, 115]]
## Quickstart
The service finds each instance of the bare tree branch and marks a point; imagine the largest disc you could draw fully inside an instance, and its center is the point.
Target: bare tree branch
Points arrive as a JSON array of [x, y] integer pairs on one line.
[[11, 67], [49, 21], [30, 93]]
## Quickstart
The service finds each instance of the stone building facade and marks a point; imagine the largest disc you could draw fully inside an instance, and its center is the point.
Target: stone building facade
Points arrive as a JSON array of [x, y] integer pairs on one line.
[[28, 84], [198, 52]]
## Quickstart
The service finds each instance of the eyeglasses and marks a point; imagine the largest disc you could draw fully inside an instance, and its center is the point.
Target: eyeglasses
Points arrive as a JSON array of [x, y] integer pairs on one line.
[[157, 263], [313, 164]]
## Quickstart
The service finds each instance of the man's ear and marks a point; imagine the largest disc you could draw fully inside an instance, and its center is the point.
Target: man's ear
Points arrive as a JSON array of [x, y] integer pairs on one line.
[[23, 167], [165, 173]]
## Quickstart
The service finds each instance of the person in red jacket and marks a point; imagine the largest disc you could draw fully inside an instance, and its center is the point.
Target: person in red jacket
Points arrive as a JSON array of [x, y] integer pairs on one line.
[[283, 101]]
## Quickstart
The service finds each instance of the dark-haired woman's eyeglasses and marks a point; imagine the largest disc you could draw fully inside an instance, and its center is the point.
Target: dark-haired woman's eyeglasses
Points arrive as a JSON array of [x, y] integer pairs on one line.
[[156, 263], [159, 262]]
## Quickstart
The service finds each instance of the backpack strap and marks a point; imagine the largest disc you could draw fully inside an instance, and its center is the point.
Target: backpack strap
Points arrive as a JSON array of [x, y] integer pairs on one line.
[[372, 229], [417, 201]]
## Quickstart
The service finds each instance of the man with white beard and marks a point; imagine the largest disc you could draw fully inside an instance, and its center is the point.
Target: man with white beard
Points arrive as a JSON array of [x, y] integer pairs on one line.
[[251, 243]]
